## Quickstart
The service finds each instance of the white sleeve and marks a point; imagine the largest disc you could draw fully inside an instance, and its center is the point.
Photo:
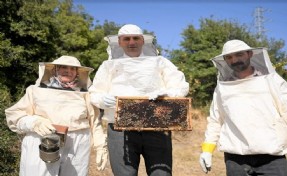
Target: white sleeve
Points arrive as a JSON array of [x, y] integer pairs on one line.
[[100, 86], [22, 109], [214, 121], [278, 90], [174, 79]]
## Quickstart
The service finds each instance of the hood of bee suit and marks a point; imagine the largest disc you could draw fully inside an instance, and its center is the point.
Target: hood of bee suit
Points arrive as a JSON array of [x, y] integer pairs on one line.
[[115, 51], [46, 70], [260, 59]]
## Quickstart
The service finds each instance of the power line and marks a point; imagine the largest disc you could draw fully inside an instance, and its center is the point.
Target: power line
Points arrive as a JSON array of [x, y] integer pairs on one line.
[[259, 21]]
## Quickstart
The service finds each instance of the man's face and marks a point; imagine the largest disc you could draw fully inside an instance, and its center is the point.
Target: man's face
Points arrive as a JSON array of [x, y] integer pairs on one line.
[[239, 61], [131, 44]]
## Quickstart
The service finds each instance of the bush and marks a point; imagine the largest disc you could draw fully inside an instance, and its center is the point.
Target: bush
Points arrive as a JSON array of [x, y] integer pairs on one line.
[[9, 150], [10, 144]]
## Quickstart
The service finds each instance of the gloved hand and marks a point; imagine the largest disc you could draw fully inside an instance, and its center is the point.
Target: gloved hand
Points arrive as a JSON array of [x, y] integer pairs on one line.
[[109, 101], [172, 93], [205, 158], [205, 161], [154, 95], [102, 158], [43, 126]]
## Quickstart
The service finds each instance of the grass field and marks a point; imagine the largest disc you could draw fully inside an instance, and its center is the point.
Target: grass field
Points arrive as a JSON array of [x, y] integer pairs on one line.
[[186, 151]]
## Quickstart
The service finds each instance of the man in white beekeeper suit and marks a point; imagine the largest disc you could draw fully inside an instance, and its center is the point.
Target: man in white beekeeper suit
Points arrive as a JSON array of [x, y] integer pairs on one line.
[[248, 114], [135, 69], [59, 97]]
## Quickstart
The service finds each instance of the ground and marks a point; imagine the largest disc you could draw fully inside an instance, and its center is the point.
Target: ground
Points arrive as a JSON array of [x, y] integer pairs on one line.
[[186, 151]]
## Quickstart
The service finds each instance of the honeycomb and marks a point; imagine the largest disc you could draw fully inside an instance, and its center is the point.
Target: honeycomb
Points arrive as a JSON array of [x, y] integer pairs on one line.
[[160, 114]]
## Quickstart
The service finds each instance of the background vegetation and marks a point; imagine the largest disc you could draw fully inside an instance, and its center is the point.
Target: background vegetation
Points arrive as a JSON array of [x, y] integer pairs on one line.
[[33, 31]]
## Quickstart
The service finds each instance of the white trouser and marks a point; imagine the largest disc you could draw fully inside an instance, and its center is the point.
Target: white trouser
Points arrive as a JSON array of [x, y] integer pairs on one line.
[[74, 156]]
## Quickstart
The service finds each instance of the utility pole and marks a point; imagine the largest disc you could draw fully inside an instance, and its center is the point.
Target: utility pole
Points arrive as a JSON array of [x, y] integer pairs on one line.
[[259, 22]]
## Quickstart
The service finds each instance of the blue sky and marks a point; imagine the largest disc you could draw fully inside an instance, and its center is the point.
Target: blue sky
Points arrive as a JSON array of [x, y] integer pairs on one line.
[[168, 18]]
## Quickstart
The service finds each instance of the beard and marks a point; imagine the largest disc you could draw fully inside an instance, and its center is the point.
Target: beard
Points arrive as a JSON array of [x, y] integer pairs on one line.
[[240, 66]]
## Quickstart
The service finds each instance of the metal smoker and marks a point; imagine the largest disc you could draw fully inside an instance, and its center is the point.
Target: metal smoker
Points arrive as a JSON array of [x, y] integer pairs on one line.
[[50, 144], [49, 148]]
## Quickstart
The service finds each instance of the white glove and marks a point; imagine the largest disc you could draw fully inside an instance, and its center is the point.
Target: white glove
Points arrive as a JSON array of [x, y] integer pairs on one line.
[[109, 101], [102, 158], [154, 95], [172, 93], [43, 126], [205, 161]]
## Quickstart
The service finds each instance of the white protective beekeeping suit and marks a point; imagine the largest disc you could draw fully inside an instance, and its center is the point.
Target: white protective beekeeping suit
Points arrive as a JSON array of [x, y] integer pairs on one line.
[[61, 107], [248, 116], [148, 75]]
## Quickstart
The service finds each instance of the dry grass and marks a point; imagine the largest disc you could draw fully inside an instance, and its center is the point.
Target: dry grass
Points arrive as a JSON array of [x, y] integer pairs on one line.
[[186, 151]]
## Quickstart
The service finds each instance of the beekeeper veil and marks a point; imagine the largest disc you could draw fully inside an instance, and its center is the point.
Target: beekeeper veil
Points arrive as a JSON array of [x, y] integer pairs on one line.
[[115, 51], [46, 71], [260, 59]]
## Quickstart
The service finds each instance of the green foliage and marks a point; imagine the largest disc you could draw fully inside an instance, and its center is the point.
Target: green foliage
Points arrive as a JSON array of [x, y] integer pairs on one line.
[[41, 31], [109, 28], [9, 145], [9, 151]]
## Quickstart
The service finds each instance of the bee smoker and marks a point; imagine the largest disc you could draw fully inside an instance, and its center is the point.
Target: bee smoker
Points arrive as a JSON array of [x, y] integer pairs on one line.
[[49, 148], [51, 143]]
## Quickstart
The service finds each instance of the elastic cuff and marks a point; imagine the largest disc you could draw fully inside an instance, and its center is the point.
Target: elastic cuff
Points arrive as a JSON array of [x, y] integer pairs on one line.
[[208, 147]]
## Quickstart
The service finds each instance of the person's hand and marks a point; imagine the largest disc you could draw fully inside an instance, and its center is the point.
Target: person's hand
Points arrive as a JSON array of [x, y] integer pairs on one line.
[[43, 126], [172, 93], [102, 158], [205, 161], [109, 101], [154, 95]]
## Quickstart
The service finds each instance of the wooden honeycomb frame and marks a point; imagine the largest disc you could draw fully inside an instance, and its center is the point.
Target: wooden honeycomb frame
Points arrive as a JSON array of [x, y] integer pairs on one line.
[[162, 114]]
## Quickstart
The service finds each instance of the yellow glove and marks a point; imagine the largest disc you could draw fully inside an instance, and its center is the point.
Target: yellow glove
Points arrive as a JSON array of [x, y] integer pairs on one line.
[[43, 126], [102, 158], [205, 159]]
